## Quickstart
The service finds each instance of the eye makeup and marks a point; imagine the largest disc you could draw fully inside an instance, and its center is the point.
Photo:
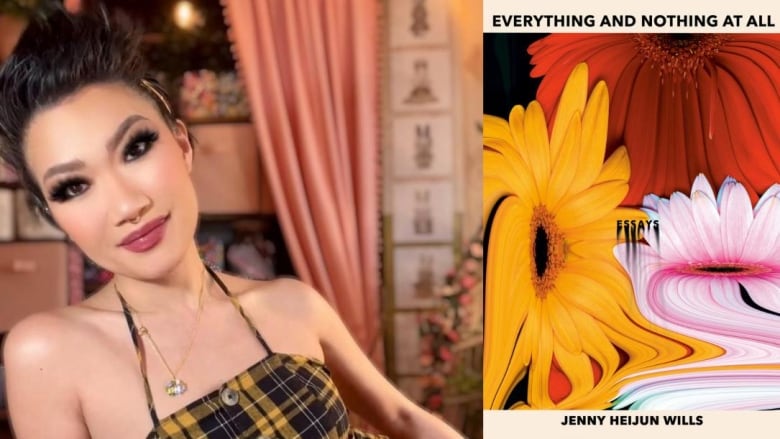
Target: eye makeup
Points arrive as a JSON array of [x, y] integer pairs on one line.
[[68, 188], [139, 144]]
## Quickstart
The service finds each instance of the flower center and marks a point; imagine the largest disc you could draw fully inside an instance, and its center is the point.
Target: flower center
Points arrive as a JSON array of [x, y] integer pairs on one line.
[[547, 255], [725, 269], [680, 55]]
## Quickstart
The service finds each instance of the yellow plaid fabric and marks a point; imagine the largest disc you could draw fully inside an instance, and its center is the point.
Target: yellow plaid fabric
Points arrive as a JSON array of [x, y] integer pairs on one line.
[[282, 396]]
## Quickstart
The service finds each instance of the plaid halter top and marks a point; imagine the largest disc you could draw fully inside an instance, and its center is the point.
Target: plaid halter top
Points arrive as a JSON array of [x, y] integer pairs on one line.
[[280, 396]]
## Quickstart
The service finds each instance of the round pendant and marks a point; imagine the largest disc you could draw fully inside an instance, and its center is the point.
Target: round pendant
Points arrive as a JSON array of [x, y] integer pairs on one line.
[[175, 387]]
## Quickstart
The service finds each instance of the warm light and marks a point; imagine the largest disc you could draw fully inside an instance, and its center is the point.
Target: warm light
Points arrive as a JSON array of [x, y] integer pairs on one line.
[[185, 15]]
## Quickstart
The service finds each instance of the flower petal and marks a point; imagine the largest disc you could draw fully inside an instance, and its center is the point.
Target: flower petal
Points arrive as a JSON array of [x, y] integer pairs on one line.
[[736, 218], [572, 102], [591, 204], [594, 139], [707, 219], [568, 155], [762, 240], [538, 145], [564, 329], [617, 167], [701, 184], [508, 297]]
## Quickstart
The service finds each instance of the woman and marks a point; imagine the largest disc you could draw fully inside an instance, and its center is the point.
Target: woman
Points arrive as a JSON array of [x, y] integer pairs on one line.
[[168, 348]]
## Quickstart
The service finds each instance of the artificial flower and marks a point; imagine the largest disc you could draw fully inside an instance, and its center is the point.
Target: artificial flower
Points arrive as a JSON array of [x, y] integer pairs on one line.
[[452, 335], [558, 308], [471, 265], [713, 274], [434, 401], [438, 380], [475, 250], [445, 354], [467, 282], [426, 360], [682, 103]]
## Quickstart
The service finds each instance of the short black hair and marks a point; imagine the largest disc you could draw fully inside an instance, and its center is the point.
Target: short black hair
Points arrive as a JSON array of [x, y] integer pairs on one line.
[[57, 55]]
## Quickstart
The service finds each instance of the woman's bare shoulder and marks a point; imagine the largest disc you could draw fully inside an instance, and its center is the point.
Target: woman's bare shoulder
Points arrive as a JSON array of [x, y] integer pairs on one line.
[[42, 337], [285, 295], [49, 334]]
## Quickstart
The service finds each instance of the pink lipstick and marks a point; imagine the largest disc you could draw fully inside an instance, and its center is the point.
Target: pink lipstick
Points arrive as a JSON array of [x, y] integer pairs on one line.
[[147, 236]]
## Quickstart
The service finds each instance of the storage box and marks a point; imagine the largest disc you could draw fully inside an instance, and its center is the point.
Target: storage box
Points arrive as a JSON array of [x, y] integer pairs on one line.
[[33, 278]]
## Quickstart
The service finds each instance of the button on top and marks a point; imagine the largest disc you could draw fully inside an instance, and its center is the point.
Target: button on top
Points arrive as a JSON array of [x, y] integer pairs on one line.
[[229, 397]]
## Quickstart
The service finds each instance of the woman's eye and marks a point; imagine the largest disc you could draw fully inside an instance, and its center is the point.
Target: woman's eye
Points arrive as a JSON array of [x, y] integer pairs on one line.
[[136, 150], [139, 145], [68, 189]]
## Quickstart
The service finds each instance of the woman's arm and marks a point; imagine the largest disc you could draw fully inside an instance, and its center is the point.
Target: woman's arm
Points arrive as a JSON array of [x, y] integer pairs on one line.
[[364, 389], [42, 398]]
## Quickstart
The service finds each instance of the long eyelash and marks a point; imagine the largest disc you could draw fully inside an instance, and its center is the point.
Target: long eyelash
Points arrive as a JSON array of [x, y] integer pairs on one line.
[[143, 136], [58, 192]]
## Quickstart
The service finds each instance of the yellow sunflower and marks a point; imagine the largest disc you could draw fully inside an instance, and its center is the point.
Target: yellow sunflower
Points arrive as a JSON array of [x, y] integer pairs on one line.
[[559, 311]]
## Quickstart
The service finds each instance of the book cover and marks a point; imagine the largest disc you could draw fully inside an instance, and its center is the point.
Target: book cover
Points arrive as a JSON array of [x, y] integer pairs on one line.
[[631, 178]]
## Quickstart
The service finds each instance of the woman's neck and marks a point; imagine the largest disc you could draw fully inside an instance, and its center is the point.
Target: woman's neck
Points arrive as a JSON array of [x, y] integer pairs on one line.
[[179, 289]]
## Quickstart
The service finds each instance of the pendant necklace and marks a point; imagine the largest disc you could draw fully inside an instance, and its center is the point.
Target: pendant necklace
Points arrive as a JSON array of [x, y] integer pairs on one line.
[[175, 386]]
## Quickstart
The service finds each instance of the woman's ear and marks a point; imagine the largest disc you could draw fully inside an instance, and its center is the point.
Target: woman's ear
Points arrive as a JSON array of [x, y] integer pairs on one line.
[[183, 139]]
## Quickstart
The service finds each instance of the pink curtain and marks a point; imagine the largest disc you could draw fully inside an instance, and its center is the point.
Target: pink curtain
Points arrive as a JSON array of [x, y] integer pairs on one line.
[[311, 72]]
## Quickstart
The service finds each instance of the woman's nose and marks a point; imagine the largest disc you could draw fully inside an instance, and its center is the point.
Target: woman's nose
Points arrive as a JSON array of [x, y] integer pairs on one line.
[[130, 203]]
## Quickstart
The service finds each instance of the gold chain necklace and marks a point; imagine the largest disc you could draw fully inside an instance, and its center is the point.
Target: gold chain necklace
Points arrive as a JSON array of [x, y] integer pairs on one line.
[[176, 386]]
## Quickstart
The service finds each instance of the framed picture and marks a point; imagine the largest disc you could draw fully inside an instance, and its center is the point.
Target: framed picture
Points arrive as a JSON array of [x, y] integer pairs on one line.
[[422, 146], [421, 80], [423, 211], [6, 214], [418, 22], [418, 272], [407, 343]]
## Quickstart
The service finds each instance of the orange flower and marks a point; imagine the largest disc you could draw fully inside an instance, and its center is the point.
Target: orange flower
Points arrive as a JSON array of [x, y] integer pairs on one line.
[[682, 104]]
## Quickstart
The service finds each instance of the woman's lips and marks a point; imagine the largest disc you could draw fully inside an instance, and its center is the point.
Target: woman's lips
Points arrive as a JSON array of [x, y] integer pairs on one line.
[[147, 236]]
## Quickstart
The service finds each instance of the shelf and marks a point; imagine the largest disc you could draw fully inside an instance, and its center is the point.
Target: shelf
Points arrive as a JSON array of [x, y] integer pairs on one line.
[[231, 217], [217, 120], [33, 241], [9, 185]]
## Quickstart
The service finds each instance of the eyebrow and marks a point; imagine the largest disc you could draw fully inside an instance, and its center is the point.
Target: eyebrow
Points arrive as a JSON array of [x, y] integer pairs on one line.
[[111, 145]]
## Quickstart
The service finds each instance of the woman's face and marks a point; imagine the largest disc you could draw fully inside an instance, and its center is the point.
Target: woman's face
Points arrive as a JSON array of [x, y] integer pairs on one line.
[[116, 178]]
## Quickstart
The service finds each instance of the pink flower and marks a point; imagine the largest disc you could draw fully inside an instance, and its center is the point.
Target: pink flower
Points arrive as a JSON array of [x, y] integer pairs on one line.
[[471, 266], [445, 354], [712, 273], [452, 335], [476, 250], [465, 299], [437, 380], [426, 360], [439, 320], [450, 275], [434, 401], [468, 282]]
